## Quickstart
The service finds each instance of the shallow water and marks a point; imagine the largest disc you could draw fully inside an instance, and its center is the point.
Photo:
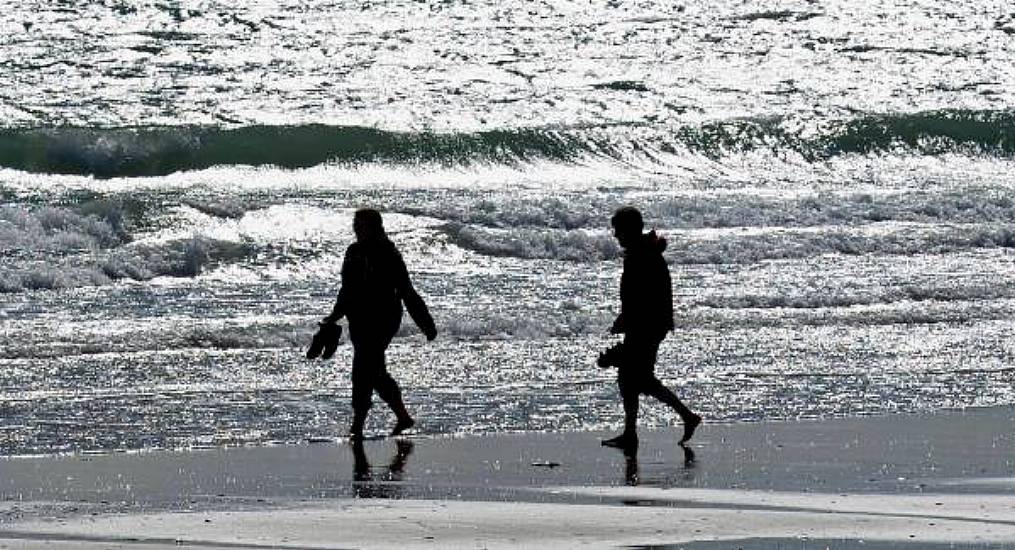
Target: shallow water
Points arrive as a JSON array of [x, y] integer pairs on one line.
[[177, 183]]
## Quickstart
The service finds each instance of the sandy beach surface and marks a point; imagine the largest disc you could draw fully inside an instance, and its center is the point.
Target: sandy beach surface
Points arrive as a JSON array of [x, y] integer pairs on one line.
[[940, 480]]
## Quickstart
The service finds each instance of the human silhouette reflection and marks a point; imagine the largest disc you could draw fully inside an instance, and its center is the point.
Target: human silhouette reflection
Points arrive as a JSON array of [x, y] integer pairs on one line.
[[365, 485], [632, 476], [689, 456]]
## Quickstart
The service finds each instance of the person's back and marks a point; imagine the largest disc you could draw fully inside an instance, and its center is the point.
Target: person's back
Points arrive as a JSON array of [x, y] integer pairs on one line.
[[372, 274], [646, 294]]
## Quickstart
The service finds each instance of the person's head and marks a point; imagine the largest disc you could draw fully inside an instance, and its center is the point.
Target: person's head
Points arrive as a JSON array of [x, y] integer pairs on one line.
[[627, 225], [367, 225]]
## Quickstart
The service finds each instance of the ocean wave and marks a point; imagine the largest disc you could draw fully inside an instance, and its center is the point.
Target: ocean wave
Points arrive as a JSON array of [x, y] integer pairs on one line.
[[569, 211], [570, 245], [913, 304], [869, 296], [564, 211], [966, 205], [163, 334], [978, 132], [57, 230], [167, 334], [731, 246], [739, 247], [176, 258], [51, 247], [153, 151]]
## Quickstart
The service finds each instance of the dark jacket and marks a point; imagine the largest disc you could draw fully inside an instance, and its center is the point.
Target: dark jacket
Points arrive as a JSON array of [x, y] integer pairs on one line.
[[375, 284], [646, 294]]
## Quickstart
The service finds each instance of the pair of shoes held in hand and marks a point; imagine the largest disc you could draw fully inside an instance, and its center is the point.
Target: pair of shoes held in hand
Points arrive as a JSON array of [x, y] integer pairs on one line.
[[325, 342]]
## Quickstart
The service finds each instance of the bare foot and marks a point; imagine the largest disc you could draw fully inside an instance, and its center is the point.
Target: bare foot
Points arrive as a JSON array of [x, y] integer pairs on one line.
[[690, 424], [402, 425]]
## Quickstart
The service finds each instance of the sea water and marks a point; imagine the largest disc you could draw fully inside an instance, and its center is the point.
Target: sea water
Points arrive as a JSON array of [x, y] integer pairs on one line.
[[177, 182]]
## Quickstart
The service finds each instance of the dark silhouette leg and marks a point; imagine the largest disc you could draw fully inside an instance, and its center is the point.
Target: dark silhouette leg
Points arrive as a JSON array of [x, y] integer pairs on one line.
[[366, 361], [636, 376], [389, 391], [629, 393], [636, 364], [631, 476], [655, 388]]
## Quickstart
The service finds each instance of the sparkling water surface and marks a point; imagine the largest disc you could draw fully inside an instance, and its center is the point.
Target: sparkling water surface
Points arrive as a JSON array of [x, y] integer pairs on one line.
[[177, 183]]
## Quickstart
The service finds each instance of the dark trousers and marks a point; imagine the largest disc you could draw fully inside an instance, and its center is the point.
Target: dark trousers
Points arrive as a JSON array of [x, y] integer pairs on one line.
[[636, 376], [370, 374]]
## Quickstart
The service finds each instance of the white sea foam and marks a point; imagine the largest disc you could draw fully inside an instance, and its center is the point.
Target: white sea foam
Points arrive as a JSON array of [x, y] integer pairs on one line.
[[576, 244], [54, 247]]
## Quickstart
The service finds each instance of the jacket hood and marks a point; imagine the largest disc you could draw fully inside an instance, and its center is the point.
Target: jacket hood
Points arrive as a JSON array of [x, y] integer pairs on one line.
[[653, 242]]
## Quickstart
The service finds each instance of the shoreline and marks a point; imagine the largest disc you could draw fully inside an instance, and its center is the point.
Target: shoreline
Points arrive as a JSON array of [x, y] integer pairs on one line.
[[940, 477]]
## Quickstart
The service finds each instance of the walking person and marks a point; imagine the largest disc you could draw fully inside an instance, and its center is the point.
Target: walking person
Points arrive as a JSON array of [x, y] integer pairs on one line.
[[646, 315], [375, 284]]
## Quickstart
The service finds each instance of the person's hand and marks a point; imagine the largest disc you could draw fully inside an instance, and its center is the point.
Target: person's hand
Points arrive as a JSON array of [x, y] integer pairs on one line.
[[618, 325], [603, 361]]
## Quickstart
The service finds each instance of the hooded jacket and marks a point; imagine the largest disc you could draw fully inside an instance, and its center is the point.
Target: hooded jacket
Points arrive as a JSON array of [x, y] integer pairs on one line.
[[646, 294]]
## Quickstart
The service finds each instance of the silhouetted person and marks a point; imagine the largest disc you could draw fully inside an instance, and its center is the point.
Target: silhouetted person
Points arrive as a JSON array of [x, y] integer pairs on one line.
[[375, 284], [646, 315]]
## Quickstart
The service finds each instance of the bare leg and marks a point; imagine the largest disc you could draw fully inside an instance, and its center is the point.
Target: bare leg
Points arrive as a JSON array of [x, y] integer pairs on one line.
[[389, 391], [629, 393], [656, 389]]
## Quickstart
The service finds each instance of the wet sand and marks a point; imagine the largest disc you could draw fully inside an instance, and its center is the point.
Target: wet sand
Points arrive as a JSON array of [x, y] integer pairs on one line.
[[903, 481]]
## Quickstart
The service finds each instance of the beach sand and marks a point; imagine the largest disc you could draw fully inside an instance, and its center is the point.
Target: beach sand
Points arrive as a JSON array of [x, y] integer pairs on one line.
[[939, 480]]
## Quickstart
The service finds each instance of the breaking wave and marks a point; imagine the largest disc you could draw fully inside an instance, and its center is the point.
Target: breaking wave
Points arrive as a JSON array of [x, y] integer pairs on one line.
[[903, 240], [53, 247], [575, 245], [737, 247], [153, 151], [726, 210]]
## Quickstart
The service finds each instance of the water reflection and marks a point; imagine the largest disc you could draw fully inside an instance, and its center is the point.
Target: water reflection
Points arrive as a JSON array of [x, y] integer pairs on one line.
[[632, 475], [387, 485]]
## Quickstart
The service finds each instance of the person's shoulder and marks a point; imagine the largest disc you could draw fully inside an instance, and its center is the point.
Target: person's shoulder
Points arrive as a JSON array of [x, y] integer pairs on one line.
[[354, 251], [390, 248]]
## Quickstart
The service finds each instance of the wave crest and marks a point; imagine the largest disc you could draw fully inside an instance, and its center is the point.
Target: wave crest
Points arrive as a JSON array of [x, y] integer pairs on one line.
[[153, 151], [52, 248], [573, 245]]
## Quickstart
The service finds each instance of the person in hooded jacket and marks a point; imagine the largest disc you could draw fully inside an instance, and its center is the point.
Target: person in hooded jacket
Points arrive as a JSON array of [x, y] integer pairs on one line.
[[646, 316], [375, 284]]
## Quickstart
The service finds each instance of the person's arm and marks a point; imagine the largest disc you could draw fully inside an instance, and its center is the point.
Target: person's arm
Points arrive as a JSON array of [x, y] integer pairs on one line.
[[413, 301], [619, 324], [342, 300]]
